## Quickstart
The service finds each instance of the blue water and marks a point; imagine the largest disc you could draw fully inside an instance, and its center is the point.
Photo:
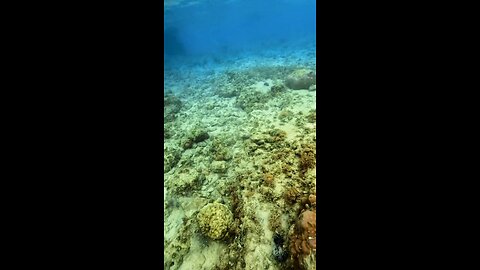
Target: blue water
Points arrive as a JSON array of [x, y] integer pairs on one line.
[[224, 28]]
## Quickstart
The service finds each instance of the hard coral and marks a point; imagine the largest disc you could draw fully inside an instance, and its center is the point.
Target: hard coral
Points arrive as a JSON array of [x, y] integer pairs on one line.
[[214, 220], [303, 241]]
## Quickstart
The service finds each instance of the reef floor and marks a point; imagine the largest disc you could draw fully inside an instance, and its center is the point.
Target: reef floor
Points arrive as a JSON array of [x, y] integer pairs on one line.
[[236, 134]]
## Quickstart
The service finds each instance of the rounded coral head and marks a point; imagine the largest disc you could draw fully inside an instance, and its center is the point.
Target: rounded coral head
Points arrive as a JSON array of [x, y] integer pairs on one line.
[[214, 220], [303, 241]]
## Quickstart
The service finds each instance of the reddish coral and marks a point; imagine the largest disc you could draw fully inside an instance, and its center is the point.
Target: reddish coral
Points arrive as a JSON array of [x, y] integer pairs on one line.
[[303, 239]]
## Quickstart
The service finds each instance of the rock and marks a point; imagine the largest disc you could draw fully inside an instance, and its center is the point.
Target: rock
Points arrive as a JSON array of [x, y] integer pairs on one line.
[[301, 79]]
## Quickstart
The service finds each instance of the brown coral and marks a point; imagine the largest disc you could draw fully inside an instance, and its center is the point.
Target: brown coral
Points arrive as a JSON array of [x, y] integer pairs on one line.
[[303, 240]]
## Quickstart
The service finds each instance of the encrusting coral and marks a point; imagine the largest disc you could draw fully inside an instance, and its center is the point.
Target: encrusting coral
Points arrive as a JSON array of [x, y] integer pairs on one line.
[[303, 241]]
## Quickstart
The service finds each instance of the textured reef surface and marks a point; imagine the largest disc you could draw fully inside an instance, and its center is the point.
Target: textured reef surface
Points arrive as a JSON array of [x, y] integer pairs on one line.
[[240, 162]]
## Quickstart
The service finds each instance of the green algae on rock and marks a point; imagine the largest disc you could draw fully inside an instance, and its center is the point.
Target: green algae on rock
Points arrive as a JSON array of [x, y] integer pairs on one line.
[[214, 220]]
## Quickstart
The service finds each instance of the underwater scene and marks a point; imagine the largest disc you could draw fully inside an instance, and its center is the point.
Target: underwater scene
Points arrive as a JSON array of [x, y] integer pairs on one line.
[[240, 134]]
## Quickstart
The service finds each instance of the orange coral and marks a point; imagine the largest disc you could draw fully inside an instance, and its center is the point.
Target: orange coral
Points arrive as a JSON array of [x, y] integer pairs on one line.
[[303, 240]]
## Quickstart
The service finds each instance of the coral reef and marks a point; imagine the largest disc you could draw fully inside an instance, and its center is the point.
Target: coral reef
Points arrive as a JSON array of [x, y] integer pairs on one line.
[[239, 166], [214, 220], [301, 79]]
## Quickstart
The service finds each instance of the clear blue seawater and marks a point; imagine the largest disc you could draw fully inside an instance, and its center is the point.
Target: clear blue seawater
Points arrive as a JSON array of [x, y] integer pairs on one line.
[[206, 31]]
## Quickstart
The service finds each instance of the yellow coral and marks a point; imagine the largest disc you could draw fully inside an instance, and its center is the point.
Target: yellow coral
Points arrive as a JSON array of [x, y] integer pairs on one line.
[[214, 220]]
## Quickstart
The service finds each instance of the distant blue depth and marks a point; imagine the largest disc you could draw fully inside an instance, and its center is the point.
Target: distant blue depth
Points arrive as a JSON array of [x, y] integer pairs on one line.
[[215, 28]]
